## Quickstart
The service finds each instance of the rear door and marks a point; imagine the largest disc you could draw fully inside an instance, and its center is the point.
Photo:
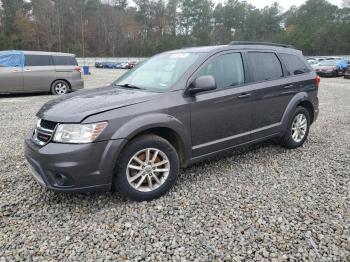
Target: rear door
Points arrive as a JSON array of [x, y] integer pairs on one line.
[[271, 92], [38, 74]]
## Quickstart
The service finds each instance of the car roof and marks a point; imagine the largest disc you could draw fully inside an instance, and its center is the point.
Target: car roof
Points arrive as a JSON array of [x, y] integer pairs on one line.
[[238, 46], [46, 53]]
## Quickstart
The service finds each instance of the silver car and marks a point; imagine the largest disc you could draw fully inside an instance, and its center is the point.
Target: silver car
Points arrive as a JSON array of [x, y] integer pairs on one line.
[[31, 71]]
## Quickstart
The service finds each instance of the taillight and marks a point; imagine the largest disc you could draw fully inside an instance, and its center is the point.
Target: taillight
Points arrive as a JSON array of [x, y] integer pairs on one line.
[[317, 81], [78, 69]]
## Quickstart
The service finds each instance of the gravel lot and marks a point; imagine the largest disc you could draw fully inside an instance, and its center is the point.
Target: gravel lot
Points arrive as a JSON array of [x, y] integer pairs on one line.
[[260, 203]]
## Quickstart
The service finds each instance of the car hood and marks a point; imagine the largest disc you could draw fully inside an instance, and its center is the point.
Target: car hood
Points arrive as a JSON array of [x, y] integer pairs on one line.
[[75, 107]]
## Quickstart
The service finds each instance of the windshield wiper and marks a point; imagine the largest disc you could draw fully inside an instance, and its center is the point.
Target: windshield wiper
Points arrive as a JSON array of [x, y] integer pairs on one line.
[[128, 86]]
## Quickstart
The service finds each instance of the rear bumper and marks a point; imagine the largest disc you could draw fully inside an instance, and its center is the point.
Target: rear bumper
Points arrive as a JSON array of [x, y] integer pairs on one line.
[[73, 167], [77, 84], [316, 108]]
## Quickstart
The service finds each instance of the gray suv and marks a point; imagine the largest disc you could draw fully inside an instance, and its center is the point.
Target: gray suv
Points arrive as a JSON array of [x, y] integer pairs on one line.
[[31, 71], [174, 109]]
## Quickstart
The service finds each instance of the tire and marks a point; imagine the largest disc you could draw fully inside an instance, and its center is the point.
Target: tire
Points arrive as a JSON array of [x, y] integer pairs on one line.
[[134, 183], [295, 137], [59, 87]]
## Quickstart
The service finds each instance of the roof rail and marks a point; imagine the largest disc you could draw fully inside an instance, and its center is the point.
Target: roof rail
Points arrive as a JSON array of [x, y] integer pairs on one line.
[[259, 43]]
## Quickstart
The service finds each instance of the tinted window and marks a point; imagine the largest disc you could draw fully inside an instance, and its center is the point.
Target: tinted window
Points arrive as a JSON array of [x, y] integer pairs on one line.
[[264, 66], [227, 70], [64, 60], [37, 60], [294, 64]]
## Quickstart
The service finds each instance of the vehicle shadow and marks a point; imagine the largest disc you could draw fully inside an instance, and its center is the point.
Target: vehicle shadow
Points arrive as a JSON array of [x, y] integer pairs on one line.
[[20, 95]]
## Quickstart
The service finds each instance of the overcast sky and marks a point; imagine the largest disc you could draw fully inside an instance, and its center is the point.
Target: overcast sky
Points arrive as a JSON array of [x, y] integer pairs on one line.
[[284, 3]]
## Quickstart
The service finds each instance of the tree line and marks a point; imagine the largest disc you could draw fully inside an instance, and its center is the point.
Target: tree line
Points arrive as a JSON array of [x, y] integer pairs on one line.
[[145, 27]]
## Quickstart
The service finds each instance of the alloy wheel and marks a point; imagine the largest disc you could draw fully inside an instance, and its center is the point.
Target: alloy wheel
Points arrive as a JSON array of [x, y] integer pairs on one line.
[[148, 169], [61, 88], [299, 128]]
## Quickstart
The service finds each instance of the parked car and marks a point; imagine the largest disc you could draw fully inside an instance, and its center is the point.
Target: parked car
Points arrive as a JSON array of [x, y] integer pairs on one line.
[[174, 109], [31, 71], [109, 65], [131, 65], [124, 65], [313, 62], [329, 68], [100, 64], [347, 73]]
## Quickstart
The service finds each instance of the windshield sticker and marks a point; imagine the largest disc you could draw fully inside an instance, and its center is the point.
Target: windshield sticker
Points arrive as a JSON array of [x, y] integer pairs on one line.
[[179, 55]]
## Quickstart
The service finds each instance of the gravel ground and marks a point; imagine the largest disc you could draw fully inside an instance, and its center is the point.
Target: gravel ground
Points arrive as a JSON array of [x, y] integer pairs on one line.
[[260, 203]]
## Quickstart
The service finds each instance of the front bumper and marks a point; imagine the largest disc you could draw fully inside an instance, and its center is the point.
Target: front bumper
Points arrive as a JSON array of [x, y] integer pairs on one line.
[[73, 167]]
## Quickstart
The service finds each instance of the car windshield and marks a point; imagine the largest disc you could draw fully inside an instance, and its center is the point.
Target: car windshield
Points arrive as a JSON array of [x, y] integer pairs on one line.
[[328, 63], [159, 72]]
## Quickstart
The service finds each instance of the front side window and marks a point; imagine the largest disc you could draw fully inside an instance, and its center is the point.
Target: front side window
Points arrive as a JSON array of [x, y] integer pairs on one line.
[[294, 64], [159, 72], [11, 60], [264, 66], [227, 70], [37, 60]]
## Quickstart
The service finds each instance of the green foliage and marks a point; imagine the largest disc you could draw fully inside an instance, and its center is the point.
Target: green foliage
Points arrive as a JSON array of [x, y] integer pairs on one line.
[[116, 28]]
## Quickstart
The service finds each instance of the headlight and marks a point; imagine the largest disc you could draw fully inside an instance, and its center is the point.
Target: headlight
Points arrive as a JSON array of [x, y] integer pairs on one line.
[[78, 133]]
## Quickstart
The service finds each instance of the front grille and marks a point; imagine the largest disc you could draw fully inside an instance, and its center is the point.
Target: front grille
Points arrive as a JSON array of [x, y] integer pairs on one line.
[[47, 124], [43, 132]]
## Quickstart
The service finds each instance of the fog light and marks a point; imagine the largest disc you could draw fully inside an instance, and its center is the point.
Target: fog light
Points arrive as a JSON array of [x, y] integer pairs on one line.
[[61, 180]]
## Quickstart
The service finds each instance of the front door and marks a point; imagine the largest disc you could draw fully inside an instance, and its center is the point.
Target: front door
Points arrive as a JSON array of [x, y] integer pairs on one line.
[[11, 79], [221, 118]]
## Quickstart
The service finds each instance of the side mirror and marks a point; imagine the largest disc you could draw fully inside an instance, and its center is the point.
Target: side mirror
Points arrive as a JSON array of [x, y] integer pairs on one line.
[[202, 84]]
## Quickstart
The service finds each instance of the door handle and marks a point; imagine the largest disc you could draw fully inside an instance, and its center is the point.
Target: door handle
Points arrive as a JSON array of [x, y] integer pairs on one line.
[[245, 95], [288, 86], [27, 70]]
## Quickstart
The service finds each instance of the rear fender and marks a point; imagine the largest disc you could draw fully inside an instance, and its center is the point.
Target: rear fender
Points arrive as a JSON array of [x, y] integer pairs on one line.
[[293, 103]]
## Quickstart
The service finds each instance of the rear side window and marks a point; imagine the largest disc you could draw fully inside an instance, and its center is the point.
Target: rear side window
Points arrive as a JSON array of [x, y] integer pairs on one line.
[[264, 66], [64, 60], [227, 70], [294, 64], [37, 60]]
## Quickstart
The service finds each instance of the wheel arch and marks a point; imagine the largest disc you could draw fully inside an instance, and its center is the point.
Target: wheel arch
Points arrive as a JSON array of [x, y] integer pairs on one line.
[[167, 127], [300, 99], [172, 137], [309, 107]]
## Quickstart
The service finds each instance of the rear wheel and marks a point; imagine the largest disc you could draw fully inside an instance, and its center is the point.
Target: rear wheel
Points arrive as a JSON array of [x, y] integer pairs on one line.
[[297, 130], [59, 87], [147, 168]]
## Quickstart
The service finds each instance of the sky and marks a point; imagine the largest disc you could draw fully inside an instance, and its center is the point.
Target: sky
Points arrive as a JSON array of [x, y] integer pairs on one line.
[[284, 3]]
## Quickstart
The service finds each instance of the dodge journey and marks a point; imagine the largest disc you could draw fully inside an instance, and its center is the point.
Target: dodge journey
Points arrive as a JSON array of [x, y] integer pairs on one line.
[[172, 110]]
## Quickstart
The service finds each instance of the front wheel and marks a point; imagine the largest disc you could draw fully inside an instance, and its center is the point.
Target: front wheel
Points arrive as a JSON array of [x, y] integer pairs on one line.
[[297, 130], [146, 169]]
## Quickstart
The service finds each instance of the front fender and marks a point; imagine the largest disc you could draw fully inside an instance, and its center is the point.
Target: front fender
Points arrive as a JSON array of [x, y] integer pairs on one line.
[[143, 123]]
